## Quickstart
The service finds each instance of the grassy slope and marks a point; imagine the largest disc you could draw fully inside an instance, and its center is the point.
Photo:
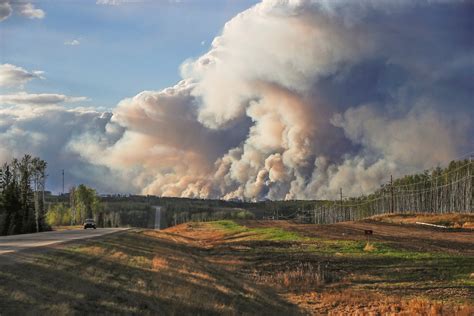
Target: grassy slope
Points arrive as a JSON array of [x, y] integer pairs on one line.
[[451, 269], [438, 279], [224, 268], [137, 272]]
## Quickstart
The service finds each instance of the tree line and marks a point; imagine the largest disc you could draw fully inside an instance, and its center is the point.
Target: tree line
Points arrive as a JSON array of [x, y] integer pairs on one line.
[[441, 190], [22, 201], [83, 203]]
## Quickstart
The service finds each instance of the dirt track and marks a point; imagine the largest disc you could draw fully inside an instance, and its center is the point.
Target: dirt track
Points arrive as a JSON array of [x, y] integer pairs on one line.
[[411, 237]]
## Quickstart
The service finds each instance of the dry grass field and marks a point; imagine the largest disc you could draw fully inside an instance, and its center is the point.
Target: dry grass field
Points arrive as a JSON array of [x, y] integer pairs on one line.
[[451, 220], [250, 267]]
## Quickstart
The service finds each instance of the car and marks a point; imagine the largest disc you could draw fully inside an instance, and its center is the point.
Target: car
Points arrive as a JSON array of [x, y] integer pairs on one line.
[[89, 223]]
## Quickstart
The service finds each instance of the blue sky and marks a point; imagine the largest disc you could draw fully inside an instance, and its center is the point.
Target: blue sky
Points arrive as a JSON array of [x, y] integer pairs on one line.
[[123, 49]]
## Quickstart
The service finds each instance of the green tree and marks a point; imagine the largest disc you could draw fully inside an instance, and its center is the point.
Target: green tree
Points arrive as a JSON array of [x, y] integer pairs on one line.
[[58, 214], [86, 202]]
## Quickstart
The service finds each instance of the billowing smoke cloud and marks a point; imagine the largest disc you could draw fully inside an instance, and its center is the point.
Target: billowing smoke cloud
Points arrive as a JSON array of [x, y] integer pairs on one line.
[[296, 99]]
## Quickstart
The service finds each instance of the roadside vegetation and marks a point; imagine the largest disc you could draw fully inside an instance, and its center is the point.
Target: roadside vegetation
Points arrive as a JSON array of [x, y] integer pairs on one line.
[[249, 267], [84, 203], [22, 199], [451, 220], [136, 272]]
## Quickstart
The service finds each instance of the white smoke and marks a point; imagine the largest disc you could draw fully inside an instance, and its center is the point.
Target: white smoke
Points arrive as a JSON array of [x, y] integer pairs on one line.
[[295, 100]]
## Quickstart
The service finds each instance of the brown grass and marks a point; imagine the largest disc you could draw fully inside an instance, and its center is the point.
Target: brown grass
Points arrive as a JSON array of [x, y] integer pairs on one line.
[[468, 225], [357, 302], [198, 269], [137, 272], [159, 263], [453, 220], [304, 276], [369, 247]]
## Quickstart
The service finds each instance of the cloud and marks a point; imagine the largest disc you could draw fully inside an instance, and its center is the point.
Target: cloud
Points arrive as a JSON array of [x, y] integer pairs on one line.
[[23, 98], [46, 131], [109, 2], [73, 42], [5, 9], [294, 99], [115, 2], [28, 10], [15, 76], [120, 2], [25, 9]]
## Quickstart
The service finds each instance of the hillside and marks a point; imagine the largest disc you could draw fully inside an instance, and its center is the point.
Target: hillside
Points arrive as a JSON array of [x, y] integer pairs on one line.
[[229, 267]]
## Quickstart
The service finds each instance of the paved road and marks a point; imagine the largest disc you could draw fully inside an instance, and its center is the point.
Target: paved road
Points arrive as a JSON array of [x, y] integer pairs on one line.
[[157, 217], [15, 243]]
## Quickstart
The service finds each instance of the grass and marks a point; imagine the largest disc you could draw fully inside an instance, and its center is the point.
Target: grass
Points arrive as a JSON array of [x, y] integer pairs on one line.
[[452, 220], [226, 268], [382, 258], [323, 246], [135, 272], [270, 234]]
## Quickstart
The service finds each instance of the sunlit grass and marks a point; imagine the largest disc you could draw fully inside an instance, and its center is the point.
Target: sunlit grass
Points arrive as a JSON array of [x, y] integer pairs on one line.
[[456, 269], [192, 266], [271, 234], [324, 246]]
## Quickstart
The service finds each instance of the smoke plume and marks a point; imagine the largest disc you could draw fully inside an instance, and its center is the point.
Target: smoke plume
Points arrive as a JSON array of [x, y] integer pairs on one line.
[[295, 100]]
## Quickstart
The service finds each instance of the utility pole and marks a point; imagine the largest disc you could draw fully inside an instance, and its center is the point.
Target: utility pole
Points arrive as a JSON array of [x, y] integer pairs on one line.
[[391, 194], [63, 180], [469, 207]]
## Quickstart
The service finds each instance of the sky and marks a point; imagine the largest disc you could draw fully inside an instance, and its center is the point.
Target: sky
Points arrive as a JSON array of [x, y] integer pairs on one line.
[[236, 99], [109, 52]]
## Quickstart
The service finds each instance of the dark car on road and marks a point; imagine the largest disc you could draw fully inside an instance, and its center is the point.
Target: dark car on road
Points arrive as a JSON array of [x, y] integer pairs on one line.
[[89, 223]]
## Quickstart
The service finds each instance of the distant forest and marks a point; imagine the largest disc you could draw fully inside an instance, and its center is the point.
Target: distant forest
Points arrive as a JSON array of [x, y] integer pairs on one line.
[[137, 210], [26, 207]]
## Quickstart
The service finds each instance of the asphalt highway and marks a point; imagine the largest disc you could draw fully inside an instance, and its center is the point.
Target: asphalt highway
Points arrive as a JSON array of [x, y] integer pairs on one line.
[[16, 243]]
